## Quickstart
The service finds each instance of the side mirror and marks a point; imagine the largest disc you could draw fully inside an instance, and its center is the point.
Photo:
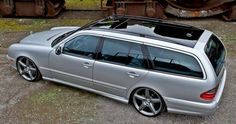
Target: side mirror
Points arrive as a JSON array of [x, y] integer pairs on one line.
[[58, 50]]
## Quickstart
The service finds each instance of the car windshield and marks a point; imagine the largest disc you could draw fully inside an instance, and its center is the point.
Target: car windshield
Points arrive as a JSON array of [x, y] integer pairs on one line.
[[62, 37]]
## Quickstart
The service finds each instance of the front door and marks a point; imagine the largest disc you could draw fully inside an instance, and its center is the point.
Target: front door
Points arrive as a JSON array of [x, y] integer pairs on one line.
[[75, 64]]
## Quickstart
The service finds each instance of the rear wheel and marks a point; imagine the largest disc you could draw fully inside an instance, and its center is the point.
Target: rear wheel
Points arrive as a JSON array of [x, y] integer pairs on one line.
[[27, 69], [148, 102]]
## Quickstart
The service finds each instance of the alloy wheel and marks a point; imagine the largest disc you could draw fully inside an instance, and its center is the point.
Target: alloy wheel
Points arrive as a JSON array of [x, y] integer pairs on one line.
[[27, 69], [148, 102]]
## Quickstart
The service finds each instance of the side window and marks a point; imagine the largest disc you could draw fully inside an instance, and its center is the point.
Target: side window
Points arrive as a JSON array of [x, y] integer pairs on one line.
[[82, 45], [175, 62], [125, 53]]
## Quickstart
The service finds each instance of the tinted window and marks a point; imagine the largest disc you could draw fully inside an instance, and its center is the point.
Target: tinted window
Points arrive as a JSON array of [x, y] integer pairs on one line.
[[216, 53], [122, 52], [82, 45], [175, 62]]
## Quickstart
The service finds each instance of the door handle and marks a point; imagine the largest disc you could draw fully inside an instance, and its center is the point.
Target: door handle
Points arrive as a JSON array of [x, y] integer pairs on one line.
[[132, 74], [87, 65]]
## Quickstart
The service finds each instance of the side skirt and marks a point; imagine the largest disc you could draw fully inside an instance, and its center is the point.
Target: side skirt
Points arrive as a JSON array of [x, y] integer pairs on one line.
[[120, 99]]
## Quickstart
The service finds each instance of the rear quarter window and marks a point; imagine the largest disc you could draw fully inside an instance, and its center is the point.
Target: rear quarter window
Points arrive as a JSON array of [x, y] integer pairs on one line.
[[175, 62]]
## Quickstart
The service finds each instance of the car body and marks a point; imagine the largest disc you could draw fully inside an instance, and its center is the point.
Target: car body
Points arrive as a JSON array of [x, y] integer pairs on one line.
[[154, 64]]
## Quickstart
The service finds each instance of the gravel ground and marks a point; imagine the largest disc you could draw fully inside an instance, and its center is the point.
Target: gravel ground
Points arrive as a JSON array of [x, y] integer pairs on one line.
[[47, 102]]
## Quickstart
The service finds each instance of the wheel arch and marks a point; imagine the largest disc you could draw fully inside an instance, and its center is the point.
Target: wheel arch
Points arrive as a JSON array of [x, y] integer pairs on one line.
[[20, 55], [18, 50]]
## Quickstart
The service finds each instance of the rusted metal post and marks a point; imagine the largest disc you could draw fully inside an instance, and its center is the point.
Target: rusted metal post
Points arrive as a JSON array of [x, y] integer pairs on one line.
[[231, 15], [150, 8], [101, 4], [7, 7], [39, 7]]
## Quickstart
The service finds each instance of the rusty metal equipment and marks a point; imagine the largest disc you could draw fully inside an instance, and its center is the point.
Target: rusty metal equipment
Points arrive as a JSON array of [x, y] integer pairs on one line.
[[178, 8], [149, 8], [203, 9], [43, 8]]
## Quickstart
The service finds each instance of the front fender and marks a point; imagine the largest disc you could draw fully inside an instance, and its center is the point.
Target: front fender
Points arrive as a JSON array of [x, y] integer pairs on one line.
[[38, 54]]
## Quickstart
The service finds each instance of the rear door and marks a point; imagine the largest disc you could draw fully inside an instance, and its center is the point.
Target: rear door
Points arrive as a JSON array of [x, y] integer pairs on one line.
[[120, 65]]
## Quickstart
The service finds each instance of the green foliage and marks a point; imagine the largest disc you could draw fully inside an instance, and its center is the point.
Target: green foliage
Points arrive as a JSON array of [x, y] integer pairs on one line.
[[10, 25], [71, 104], [84, 4], [44, 97]]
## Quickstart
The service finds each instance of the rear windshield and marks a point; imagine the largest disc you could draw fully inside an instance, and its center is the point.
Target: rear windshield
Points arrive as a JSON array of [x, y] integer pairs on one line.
[[216, 53]]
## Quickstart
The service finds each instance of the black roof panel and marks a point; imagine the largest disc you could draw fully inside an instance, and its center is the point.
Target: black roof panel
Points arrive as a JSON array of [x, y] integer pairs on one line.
[[153, 28]]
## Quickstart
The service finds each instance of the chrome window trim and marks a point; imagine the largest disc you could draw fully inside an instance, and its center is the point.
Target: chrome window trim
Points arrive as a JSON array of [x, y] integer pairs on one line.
[[141, 43], [123, 39]]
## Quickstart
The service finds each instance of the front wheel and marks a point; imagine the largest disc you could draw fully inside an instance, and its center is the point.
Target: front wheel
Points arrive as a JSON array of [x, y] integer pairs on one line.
[[27, 69], [148, 102]]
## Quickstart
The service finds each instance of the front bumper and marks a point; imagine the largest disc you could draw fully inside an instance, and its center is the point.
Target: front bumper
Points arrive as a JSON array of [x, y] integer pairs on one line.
[[196, 108], [11, 61]]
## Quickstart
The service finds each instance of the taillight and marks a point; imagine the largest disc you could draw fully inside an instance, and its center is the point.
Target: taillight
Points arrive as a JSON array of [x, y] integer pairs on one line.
[[209, 95]]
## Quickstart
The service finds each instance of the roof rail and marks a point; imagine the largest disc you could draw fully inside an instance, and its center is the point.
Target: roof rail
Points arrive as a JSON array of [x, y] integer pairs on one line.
[[152, 19], [137, 17]]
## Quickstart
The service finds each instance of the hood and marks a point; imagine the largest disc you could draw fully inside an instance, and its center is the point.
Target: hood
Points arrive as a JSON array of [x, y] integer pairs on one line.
[[45, 38]]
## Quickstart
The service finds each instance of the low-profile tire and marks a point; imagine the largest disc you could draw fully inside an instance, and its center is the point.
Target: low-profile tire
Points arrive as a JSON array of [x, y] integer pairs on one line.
[[28, 69], [148, 102]]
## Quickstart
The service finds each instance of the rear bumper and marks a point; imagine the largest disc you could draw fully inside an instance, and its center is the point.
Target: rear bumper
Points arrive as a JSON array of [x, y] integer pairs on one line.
[[196, 108]]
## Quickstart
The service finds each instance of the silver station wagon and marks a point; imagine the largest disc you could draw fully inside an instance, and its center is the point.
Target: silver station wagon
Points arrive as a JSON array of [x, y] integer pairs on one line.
[[155, 65]]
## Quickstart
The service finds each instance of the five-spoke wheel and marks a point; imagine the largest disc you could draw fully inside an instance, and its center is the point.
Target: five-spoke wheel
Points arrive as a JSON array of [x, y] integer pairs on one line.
[[148, 102], [27, 69]]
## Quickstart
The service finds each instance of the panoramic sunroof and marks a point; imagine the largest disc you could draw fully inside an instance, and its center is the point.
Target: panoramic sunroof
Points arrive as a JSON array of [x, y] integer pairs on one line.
[[154, 29]]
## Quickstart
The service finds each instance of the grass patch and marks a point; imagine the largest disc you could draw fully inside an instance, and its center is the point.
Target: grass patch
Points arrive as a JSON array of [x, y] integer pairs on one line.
[[84, 4], [12, 25], [229, 38], [59, 102], [44, 97]]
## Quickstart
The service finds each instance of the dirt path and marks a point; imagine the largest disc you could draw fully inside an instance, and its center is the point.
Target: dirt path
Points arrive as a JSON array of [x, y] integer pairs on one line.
[[48, 102]]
